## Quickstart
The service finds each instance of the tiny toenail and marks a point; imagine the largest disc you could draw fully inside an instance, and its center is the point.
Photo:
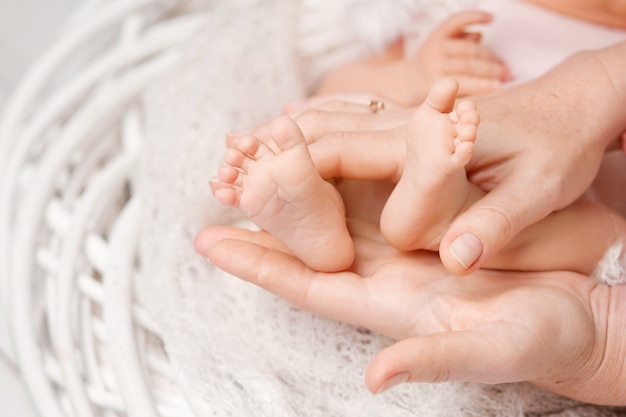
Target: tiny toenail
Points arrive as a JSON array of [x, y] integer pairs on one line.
[[466, 249]]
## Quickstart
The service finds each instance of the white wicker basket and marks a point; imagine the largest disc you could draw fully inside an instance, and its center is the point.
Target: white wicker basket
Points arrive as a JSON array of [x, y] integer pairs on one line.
[[68, 220]]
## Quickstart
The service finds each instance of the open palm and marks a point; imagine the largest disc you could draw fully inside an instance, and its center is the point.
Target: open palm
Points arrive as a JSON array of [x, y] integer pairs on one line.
[[491, 326]]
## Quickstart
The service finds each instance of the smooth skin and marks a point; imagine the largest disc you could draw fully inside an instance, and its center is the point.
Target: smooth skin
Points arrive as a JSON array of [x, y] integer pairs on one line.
[[433, 187], [281, 191], [540, 160], [558, 330], [451, 50], [539, 146]]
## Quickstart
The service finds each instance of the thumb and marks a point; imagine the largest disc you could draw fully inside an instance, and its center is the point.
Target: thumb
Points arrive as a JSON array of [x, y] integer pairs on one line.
[[468, 356], [492, 222]]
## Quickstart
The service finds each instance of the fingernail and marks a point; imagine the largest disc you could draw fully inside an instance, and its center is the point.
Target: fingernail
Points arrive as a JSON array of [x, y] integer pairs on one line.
[[209, 262], [466, 249], [397, 379]]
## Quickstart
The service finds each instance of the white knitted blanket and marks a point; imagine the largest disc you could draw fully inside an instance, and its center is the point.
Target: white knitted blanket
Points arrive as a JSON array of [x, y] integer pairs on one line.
[[237, 349]]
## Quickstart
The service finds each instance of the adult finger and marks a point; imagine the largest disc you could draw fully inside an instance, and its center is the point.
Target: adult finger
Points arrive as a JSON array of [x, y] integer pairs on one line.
[[353, 102], [360, 155], [362, 106], [341, 296], [315, 123], [209, 236], [469, 85], [454, 26], [472, 356], [338, 112], [487, 226]]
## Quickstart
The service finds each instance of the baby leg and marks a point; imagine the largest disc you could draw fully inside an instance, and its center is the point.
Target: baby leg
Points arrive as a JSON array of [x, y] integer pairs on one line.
[[281, 191], [433, 188]]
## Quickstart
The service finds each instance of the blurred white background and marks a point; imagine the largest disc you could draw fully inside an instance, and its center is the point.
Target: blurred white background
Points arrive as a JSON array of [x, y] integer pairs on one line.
[[27, 27]]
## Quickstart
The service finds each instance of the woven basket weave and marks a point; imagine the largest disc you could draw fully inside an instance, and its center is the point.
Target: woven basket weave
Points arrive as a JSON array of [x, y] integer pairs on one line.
[[69, 139]]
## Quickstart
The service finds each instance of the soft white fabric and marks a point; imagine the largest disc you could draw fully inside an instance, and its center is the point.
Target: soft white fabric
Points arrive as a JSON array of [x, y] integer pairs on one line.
[[238, 350]]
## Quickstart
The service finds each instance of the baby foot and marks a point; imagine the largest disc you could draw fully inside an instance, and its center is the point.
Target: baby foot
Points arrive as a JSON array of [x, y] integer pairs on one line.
[[433, 188], [278, 187]]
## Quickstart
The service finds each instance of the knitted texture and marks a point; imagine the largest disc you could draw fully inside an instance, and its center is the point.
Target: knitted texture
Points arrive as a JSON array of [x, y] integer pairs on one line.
[[237, 349]]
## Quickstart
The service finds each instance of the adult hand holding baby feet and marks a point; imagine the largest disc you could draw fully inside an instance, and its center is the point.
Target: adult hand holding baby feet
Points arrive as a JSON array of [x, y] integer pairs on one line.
[[282, 193], [538, 148], [275, 183], [558, 330]]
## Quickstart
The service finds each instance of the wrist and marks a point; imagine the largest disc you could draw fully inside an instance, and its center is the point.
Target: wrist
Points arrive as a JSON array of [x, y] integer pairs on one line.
[[607, 385], [601, 73], [613, 367], [597, 374]]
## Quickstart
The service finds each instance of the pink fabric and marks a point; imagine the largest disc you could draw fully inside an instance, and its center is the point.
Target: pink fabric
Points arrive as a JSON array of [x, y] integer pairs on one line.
[[531, 39]]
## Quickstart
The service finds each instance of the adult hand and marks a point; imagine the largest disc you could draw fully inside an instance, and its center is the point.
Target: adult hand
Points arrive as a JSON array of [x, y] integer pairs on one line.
[[558, 330], [539, 147]]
